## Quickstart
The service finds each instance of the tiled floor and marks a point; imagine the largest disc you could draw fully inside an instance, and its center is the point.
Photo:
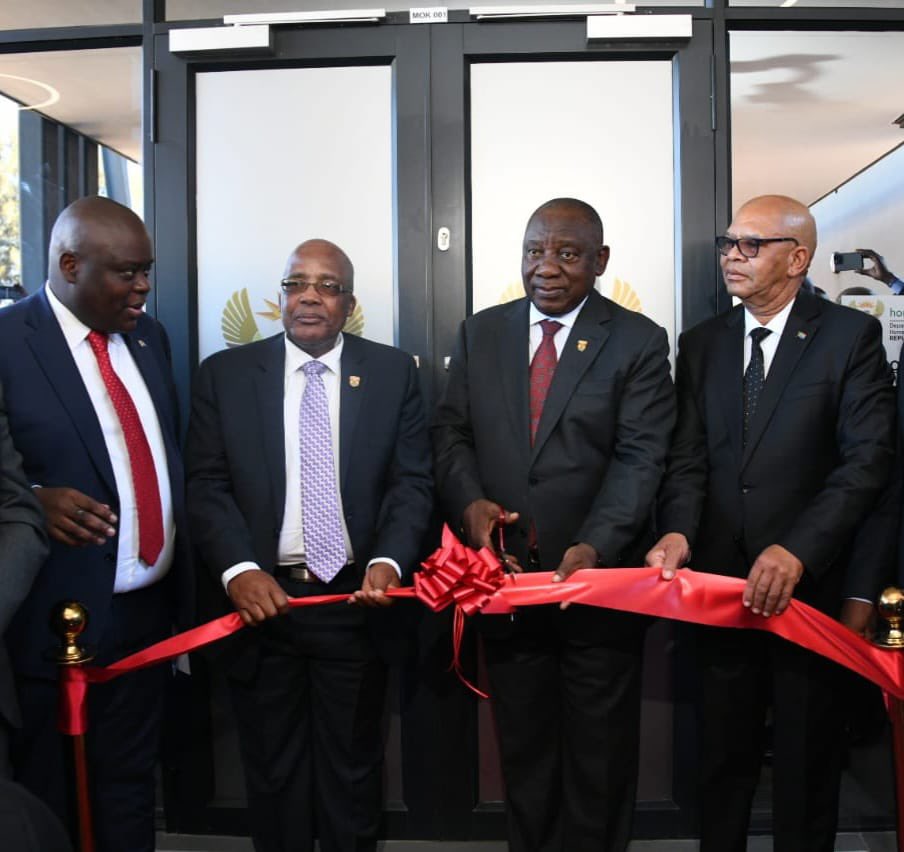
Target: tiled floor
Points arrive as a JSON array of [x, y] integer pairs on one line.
[[878, 842]]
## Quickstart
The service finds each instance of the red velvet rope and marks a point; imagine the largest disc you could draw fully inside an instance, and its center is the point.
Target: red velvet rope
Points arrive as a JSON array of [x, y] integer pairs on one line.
[[473, 581]]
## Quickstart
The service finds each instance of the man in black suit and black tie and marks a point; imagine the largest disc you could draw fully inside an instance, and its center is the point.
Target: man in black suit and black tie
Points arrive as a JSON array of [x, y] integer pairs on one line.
[[555, 422], [309, 474], [783, 442]]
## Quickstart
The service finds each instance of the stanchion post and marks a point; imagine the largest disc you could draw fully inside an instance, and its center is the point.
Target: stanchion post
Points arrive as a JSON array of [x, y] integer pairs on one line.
[[68, 620], [891, 613]]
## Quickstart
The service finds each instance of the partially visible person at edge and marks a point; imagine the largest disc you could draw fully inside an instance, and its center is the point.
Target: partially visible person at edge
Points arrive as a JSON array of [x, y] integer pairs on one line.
[[783, 443]]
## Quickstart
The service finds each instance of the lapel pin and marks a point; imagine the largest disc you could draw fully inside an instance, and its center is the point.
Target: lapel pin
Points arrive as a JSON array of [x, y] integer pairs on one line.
[[801, 335], [354, 381], [141, 342], [582, 345]]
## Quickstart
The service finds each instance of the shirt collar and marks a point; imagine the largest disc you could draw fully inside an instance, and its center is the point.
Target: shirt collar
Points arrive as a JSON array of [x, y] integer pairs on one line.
[[776, 325], [566, 319], [74, 330], [296, 357]]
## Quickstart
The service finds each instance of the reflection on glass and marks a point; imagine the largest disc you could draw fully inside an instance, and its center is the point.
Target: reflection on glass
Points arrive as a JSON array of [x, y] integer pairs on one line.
[[814, 116], [35, 14], [95, 92]]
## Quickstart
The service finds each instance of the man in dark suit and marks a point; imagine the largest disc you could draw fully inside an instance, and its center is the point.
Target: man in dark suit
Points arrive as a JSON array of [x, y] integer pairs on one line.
[[784, 441], [309, 474], [91, 409], [23, 547], [555, 423], [25, 821]]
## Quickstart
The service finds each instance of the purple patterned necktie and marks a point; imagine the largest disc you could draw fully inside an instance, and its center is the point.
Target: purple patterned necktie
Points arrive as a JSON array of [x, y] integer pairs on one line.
[[324, 544]]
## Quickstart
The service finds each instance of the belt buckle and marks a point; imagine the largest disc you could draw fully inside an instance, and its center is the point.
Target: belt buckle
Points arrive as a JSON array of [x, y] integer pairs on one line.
[[303, 574]]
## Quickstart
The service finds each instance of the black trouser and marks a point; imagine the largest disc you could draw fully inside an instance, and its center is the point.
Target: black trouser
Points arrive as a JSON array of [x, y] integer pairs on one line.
[[309, 724]]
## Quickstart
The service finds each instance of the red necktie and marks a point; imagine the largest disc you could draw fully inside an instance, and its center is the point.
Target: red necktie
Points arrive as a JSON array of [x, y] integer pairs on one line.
[[542, 369], [141, 462]]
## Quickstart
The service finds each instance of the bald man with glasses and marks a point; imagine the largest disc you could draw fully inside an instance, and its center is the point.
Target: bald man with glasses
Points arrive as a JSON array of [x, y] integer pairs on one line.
[[784, 442]]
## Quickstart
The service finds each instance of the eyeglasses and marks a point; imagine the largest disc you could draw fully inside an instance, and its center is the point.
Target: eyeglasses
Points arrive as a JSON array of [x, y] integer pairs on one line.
[[328, 289], [749, 246]]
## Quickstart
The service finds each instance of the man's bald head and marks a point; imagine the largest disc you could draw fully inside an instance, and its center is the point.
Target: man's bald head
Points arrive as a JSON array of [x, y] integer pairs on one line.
[[98, 263], [768, 278], [791, 217], [318, 246]]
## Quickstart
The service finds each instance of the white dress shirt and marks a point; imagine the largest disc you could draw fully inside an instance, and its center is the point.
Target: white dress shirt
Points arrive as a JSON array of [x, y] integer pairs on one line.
[[131, 572], [536, 333], [769, 346], [291, 549]]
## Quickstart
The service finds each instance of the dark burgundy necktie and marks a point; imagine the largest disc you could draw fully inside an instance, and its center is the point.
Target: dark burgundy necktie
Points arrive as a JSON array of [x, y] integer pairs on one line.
[[141, 462], [542, 369]]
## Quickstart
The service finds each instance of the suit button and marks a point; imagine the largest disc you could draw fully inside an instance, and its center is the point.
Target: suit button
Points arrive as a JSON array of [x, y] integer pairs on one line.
[[745, 489], [533, 480], [109, 557]]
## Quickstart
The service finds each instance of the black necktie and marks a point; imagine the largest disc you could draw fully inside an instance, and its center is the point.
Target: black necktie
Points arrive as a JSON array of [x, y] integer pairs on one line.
[[754, 377]]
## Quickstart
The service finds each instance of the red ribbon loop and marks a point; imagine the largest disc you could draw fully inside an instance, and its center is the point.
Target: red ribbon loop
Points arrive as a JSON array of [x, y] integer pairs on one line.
[[458, 575]]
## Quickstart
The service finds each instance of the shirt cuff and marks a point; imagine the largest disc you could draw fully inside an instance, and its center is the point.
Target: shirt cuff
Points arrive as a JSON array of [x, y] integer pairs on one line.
[[863, 600], [388, 561], [235, 570], [897, 286]]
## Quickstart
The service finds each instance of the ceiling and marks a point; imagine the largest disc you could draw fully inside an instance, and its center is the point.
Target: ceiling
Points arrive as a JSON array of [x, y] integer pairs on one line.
[[809, 109], [97, 92]]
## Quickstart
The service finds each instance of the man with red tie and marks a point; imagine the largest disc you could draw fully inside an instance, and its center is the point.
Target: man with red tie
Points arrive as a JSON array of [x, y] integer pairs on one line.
[[92, 410], [555, 421]]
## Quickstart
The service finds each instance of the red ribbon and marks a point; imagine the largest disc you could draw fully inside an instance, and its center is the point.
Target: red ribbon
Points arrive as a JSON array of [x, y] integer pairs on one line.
[[474, 581]]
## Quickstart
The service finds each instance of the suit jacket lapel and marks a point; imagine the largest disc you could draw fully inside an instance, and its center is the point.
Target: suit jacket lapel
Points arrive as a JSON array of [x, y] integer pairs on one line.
[[728, 374], [351, 392], [802, 325], [54, 357], [512, 363], [269, 381], [584, 343], [149, 366]]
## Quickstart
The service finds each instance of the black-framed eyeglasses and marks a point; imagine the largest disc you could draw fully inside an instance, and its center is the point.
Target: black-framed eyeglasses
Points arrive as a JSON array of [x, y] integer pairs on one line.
[[748, 246], [329, 289]]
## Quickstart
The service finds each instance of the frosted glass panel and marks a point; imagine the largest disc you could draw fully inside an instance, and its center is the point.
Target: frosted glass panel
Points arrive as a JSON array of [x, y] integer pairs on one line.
[[284, 156], [598, 131]]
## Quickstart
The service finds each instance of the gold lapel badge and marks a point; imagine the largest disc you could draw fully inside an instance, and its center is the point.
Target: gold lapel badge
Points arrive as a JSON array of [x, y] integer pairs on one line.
[[801, 335], [582, 345], [354, 381]]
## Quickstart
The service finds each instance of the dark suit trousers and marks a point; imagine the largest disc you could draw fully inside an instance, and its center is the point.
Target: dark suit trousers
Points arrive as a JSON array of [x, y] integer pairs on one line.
[[310, 727], [124, 718], [743, 671], [567, 707]]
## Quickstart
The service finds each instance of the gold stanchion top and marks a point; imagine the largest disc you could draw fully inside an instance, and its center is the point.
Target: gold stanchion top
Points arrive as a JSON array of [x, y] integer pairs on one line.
[[891, 614], [68, 620]]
